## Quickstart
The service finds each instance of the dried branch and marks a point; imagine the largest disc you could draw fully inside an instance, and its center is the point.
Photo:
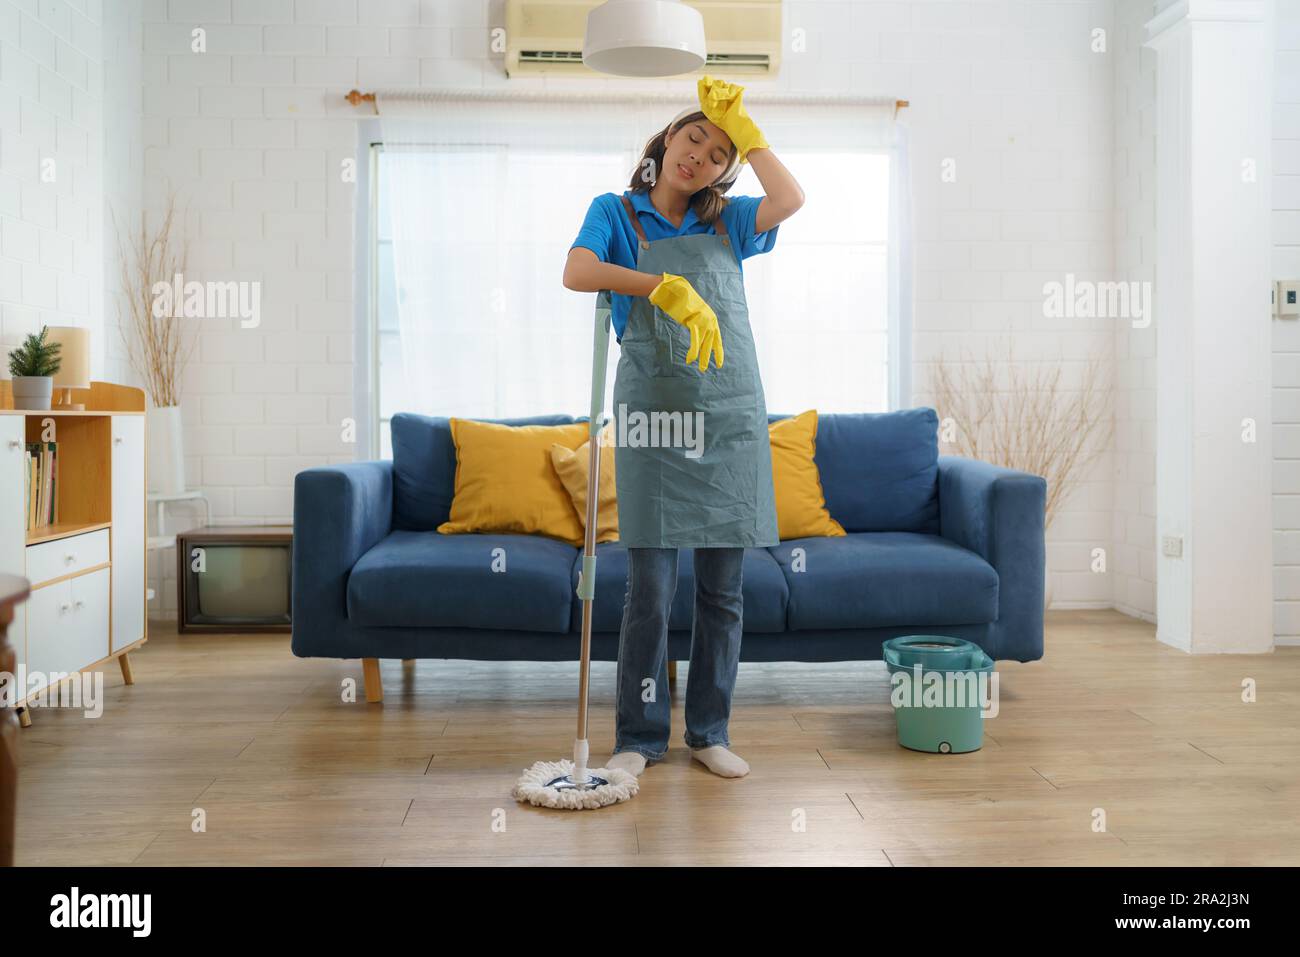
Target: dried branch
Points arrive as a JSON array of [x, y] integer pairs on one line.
[[1021, 416], [158, 347]]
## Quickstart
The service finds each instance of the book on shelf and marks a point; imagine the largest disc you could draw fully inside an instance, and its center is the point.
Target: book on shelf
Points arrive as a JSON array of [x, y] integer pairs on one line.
[[42, 484]]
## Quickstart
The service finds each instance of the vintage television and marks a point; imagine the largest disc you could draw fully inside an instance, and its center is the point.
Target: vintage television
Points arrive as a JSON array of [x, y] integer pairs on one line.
[[232, 579]]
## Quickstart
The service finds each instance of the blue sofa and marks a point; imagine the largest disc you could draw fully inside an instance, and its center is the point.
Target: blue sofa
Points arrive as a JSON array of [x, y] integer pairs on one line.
[[936, 544]]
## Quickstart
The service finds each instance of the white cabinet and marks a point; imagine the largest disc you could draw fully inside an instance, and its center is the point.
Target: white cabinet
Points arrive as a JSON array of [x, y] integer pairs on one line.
[[13, 521], [87, 570], [128, 530], [67, 556], [69, 624]]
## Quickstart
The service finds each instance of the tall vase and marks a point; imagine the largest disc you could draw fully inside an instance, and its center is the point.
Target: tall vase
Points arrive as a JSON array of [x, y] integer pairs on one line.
[[166, 450]]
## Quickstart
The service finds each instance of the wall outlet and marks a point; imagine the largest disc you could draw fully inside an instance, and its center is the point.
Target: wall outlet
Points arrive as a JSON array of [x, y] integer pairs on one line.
[[1288, 298], [1172, 546]]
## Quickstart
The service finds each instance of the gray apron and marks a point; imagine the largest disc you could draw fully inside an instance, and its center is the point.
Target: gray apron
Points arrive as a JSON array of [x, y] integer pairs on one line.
[[710, 485]]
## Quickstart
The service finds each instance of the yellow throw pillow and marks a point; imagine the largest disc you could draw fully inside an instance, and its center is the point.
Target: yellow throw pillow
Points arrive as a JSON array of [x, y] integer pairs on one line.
[[573, 467], [800, 503], [505, 481]]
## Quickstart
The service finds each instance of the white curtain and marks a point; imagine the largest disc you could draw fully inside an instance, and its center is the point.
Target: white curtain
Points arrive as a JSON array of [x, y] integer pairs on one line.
[[485, 195]]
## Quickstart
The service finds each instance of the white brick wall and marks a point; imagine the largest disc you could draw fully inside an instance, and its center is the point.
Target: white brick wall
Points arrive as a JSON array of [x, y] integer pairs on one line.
[[1013, 93], [56, 156], [123, 167], [1286, 333], [250, 133]]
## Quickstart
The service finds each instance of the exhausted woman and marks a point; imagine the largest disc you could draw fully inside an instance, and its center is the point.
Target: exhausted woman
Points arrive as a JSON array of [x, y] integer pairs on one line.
[[669, 249]]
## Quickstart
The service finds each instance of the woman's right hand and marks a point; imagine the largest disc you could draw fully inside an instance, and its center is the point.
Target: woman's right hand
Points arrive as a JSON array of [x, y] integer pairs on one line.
[[723, 104], [679, 300]]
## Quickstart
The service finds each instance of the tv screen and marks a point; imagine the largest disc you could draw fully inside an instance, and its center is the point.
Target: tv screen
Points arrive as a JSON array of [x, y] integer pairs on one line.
[[241, 582]]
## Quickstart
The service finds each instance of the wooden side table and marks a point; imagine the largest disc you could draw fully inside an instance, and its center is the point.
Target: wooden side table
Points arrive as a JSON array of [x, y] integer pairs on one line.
[[12, 591]]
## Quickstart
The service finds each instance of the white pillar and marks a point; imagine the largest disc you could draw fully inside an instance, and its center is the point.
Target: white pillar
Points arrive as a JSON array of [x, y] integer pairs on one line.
[[1212, 323]]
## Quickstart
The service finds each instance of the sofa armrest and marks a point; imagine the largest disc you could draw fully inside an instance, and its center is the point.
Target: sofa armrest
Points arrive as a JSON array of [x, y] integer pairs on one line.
[[339, 513], [999, 514]]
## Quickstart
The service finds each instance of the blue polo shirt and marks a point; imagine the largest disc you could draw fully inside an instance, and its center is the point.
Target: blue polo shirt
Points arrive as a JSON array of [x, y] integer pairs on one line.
[[608, 233]]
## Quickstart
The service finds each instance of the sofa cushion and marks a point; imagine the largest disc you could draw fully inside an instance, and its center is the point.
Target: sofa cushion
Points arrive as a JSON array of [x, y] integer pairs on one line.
[[880, 471], [879, 579], [763, 587], [428, 580], [505, 482], [800, 501], [573, 467], [424, 466]]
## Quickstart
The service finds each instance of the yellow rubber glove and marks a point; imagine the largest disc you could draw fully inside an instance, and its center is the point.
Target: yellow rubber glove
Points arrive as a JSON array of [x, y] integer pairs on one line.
[[721, 103], [678, 298]]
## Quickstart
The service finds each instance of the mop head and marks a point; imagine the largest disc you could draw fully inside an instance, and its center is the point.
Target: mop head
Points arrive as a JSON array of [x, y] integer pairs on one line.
[[532, 788]]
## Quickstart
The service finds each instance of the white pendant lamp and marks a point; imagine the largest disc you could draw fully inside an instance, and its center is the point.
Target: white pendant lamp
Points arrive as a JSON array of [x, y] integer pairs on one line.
[[644, 38]]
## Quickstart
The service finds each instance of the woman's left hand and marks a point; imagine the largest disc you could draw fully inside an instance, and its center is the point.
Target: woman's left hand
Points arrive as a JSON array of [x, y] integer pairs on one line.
[[721, 103]]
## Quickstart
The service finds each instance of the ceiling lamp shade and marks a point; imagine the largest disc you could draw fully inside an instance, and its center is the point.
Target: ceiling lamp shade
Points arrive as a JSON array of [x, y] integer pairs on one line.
[[644, 38]]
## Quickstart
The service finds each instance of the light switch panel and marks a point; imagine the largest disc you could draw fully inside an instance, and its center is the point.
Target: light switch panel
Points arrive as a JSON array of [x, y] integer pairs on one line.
[[1288, 294]]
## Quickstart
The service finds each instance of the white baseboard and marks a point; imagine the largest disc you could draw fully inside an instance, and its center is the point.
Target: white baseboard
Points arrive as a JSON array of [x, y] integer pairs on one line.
[[1079, 606], [1136, 613]]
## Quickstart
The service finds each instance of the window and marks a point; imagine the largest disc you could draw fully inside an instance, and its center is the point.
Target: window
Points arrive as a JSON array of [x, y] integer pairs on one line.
[[470, 317], [819, 301]]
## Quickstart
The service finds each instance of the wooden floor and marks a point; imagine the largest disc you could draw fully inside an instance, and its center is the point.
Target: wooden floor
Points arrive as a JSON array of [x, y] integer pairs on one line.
[[286, 773]]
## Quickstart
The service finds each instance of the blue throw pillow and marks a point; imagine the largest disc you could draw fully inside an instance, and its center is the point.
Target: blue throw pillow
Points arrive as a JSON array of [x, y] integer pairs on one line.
[[880, 470], [424, 466]]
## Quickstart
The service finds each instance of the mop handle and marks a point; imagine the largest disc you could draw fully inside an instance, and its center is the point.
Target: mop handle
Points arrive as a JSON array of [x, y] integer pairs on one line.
[[600, 357], [587, 578]]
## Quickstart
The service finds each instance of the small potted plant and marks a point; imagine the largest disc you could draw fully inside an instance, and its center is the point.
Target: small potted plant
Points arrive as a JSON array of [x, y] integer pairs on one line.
[[33, 365]]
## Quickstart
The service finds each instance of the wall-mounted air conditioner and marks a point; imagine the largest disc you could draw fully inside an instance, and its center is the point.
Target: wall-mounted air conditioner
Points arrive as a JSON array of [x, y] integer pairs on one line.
[[544, 37]]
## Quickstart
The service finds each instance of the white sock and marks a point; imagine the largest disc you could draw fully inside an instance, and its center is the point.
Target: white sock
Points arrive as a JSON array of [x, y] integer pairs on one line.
[[721, 761], [630, 761]]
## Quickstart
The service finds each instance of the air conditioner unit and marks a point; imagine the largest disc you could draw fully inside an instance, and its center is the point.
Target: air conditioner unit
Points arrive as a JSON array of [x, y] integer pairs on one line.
[[544, 37]]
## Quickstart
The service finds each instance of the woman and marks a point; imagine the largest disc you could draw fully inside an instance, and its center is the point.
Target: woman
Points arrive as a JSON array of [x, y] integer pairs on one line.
[[669, 250]]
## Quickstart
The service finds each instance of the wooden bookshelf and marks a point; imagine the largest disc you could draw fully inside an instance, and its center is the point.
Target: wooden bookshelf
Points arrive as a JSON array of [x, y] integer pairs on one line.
[[88, 604], [52, 533], [83, 475], [102, 398]]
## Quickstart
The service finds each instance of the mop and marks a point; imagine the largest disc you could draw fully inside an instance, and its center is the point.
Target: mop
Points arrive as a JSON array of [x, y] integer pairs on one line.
[[571, 785]]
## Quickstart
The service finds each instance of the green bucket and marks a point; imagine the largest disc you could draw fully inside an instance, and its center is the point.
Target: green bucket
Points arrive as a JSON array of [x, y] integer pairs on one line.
[[941, 715]]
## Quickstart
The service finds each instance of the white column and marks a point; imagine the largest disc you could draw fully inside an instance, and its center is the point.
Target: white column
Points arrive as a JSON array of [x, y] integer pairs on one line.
[[1212, 324]]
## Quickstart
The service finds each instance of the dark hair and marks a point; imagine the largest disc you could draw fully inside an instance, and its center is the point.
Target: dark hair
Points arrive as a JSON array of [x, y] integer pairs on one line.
[[708, 201]]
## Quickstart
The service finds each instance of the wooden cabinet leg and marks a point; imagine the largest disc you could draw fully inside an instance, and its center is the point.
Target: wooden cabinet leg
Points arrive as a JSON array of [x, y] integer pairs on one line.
[[374, 684], [672, 675], [24, 717], [125, 664]]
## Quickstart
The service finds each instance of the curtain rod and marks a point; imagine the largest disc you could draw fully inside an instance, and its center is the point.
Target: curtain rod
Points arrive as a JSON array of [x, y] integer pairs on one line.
[[356, 97]]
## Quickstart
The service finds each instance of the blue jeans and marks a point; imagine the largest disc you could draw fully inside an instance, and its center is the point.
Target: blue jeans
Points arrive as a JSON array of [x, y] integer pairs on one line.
[[643, 701]]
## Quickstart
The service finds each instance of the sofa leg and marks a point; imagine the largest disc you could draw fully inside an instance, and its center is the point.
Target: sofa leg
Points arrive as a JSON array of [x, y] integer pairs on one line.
[[672, 675], [374, 684]]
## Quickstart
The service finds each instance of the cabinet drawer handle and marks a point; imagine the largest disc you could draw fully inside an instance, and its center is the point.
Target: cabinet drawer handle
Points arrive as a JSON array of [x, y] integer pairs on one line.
[[64, 607], [70, 558], [79, 603], [14, 443], [117, 440]]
